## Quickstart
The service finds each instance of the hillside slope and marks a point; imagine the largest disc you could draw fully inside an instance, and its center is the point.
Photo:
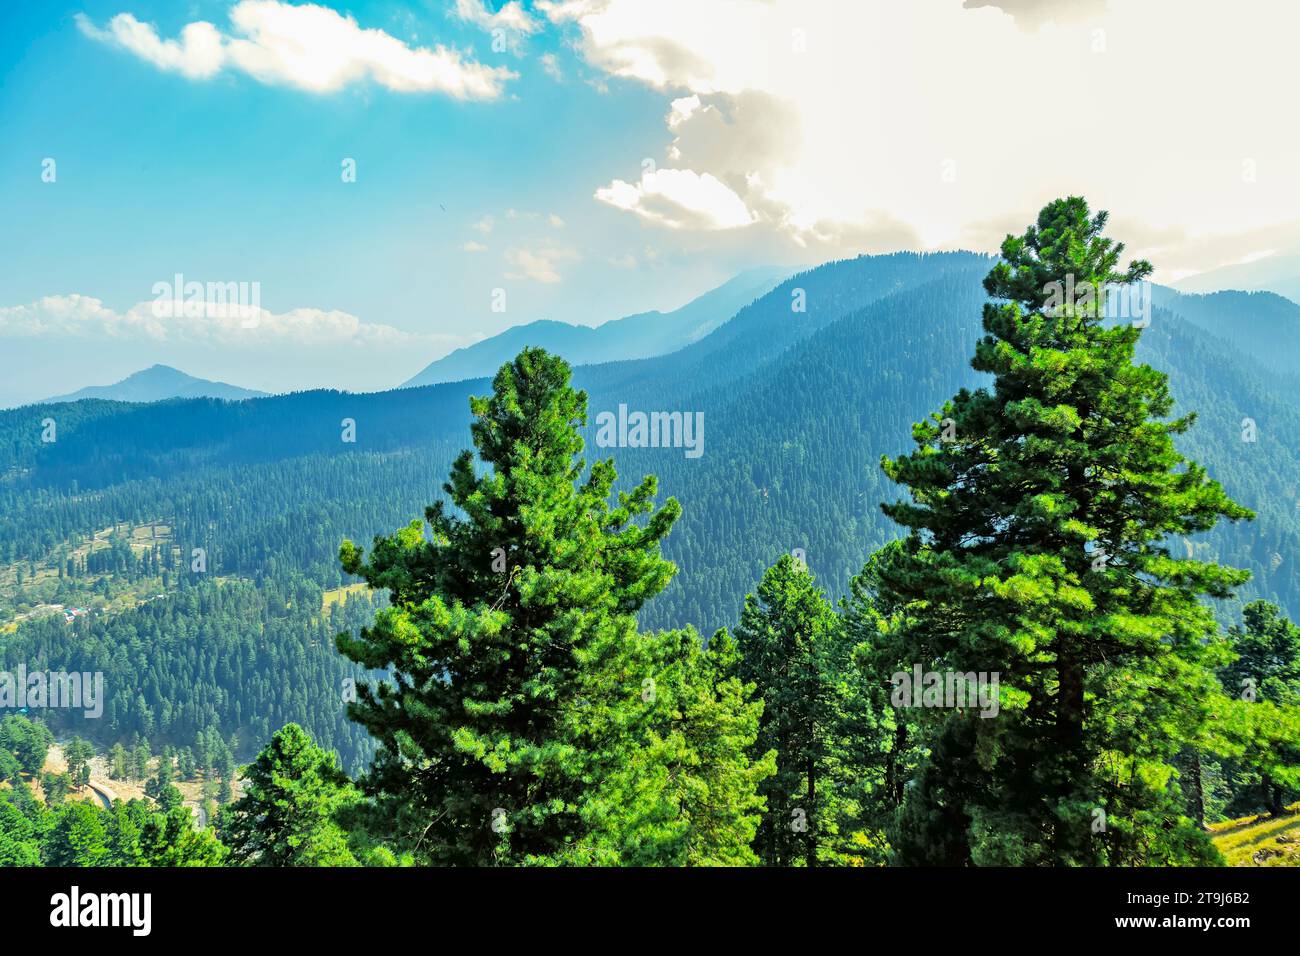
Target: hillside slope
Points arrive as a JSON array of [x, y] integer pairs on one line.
[[1260, 840]]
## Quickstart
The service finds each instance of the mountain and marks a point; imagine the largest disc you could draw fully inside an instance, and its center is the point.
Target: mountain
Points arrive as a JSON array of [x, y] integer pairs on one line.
[[1264, 325], [635, 336], [799, 407], [157, 383], [1278, 272]]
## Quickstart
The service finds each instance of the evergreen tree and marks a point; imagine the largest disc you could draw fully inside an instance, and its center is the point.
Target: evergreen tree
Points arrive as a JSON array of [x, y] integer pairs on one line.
[[140, 758], [185, 767], [78, 838], [78, 753], [55, 786], [1258, 731], [1037, 550], [671, 739], [119, 762], [19, 840], [789, 643], [883, 743], [1267, 666], [27, 740], [287, 816], [495, 627]]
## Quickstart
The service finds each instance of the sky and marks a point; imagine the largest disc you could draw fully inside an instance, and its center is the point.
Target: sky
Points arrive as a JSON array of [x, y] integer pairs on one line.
[[397, 180]]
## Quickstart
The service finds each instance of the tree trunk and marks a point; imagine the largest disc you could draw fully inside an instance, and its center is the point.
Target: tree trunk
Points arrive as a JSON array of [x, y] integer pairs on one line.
[[1069, 737], [1274, 794], [1198, 789], [810, 839]]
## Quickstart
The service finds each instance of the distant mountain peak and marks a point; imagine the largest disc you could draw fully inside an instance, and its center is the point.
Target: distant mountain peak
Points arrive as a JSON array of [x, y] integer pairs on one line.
[[157, 383]]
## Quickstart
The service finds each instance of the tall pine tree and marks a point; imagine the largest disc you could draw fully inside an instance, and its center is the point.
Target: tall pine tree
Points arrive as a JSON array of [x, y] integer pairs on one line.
[[502, 627], [788, 636], [1039, 515]]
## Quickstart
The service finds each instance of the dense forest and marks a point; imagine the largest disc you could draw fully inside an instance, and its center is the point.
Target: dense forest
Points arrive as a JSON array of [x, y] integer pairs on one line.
[[628, 655]]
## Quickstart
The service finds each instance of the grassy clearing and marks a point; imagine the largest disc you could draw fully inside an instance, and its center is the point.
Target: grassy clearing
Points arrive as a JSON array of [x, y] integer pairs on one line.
[[1260, 840], [339, 595], [31, 589]]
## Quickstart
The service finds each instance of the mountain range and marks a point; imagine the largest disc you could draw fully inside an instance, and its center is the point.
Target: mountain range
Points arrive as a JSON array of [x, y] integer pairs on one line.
[[635, 336], [1278, 272], [801, 392]]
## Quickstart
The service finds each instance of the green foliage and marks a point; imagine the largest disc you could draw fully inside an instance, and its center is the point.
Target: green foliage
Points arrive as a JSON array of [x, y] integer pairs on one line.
[[788, 637], [217, 657], [26, 741], [78, 837], [293, 793], [674, 782], [1038, 549], [19, 839], [1256, 731], [529, 721], [596, 722]]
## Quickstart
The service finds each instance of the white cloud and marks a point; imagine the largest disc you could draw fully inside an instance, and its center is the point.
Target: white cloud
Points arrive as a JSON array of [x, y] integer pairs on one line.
[[473, 246], [512, 16], [866, 123], [679, 198], [539, 264], [87, 318], [60, 343], [198, 54], [551, 64], [484, 225], [555, 221], [305, 46]]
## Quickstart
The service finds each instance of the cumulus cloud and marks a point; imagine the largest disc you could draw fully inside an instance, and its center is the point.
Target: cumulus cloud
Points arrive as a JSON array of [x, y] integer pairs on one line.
[[937, 119], [473, 246], [305, 46], [679, 198], [198, 54]]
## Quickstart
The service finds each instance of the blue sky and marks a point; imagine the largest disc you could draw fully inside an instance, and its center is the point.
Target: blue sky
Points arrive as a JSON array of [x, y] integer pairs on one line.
[[232, 179], [607, 157]]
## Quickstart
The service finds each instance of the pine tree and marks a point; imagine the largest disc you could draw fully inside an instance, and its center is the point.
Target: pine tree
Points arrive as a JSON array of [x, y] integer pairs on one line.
[[19, 842], [496, 628], [676, 782], [1040, 511], [77, 838], [118, 761], [787, 636], [1259, 726], [882, 744], [288, 815], [1267, 666]]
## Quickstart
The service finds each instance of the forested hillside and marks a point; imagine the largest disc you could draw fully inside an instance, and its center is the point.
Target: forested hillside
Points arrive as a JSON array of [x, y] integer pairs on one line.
[[802, 393]]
